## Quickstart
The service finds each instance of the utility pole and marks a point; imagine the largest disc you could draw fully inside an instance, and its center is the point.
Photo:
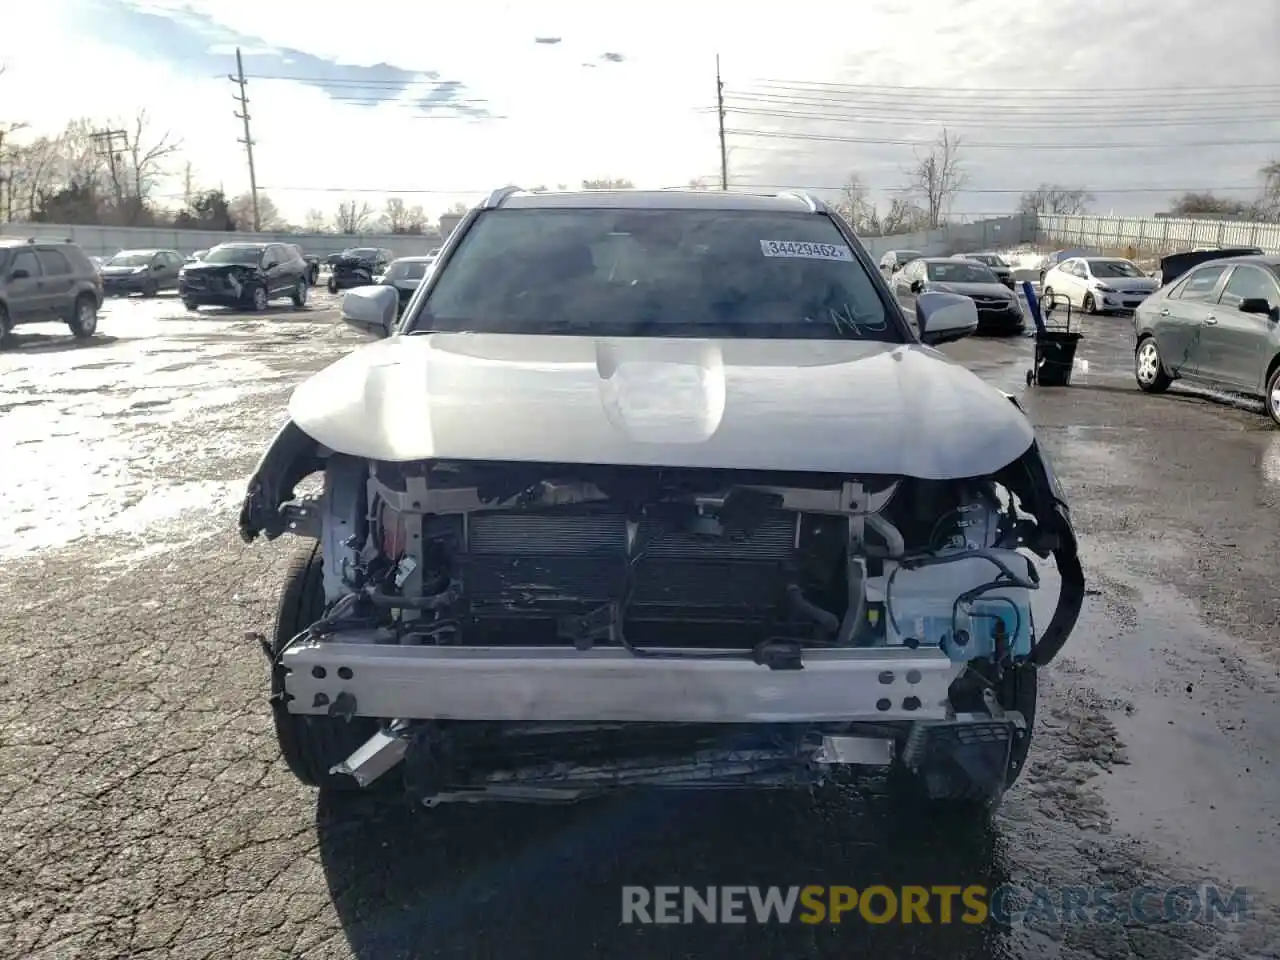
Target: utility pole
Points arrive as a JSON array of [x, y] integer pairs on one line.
[[724, 153], [243, 97], [105, 142]]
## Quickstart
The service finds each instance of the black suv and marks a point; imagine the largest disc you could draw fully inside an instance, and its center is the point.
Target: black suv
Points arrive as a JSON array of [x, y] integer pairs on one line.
[[247, 275], [44, 280]]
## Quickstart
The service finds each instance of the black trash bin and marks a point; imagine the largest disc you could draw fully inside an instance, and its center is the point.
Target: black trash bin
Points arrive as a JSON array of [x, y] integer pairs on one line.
[[1055, 357]]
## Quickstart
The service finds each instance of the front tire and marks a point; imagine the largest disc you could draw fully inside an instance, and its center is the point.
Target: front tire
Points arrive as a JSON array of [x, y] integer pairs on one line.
[[258, 299], [84, 317], [1090, 305], [191, 306], [6, 327], [1272, 398], [300, 293], [333, 285], [310, 745], [1149, 369]]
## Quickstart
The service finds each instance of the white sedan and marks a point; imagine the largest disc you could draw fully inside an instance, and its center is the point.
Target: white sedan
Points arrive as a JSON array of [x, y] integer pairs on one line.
[[1099, 284]]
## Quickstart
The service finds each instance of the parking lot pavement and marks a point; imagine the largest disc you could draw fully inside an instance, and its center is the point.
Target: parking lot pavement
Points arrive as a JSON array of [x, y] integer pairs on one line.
[[144, 812]]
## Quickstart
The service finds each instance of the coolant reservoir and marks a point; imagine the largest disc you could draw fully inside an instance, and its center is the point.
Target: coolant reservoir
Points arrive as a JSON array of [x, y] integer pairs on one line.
[[919, 604]]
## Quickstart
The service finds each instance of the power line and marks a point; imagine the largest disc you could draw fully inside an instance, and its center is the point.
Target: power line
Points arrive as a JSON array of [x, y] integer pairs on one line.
[[1104, 92], [240, 80], [1093, 108], [989, 123], [1031, 145]]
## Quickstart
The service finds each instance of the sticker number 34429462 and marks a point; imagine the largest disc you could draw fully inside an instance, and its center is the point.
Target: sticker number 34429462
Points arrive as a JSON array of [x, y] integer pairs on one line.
[[806, 251]]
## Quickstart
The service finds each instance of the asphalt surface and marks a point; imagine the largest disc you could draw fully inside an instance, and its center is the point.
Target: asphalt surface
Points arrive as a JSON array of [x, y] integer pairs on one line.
[[144, 811]]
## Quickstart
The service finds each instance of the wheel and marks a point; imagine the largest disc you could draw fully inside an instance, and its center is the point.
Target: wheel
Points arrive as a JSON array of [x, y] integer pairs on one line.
[[191, 305], [84, 317], [1046, 300], [1148, 368], [310, 745], [1089, 304], [1031, 377], [314, 277], [258, 299], [300, 293], [1272, 399], [333, 285], [150, 289], [6, 327]]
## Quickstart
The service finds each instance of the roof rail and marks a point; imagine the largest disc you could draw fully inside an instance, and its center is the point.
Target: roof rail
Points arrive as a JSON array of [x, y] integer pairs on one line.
[[496, 198], [813, 203]]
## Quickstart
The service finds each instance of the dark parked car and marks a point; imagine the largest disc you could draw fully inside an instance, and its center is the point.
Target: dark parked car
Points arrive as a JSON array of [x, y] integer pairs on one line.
[[1176, 264], [405, 274], [993, 262], [998, 309], [313, 265], [48, 280], [141, 271], [357, 266], [247, 275], [895, 260], [1218, 325]]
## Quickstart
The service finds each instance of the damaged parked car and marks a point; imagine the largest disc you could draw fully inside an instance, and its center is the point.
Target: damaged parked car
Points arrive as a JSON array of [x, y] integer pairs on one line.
[[658, 489], [245, 275], [357, 266]]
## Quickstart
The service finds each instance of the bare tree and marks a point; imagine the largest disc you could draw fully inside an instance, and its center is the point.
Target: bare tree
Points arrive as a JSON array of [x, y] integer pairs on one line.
[[269, 218], [1209, 205], [458, 209], [1054, 198], [134, 180], [316, 222], [853, 205], [938, 176], [352, 216], [394, 213], [608, 184], [1269, 202], [903, 216]]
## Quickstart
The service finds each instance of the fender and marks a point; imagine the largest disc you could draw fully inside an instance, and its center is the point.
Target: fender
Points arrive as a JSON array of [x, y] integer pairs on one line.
[[291, 457]]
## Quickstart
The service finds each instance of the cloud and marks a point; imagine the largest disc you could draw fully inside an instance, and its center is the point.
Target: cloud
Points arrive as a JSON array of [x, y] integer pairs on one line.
[[197, 45]]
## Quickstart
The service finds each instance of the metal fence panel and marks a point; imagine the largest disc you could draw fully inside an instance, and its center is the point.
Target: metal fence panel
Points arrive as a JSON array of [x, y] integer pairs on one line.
[[1154, 234]]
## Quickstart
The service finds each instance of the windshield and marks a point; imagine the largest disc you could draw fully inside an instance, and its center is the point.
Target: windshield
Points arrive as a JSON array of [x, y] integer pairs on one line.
[[960, 271], [130, 259], [990, 259], [249, 256], [1114, 268], [905, 255], [406, 270], [664, 273]]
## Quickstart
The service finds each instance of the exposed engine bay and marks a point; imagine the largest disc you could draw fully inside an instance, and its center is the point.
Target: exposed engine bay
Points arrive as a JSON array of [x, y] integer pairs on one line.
[[629, 619]]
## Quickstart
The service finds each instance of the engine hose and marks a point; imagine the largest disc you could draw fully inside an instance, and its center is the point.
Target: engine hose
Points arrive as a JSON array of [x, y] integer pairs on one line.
[[825, 619]]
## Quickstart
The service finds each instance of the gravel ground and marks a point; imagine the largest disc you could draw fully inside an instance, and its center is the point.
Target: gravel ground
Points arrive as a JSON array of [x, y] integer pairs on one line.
[[144, 812]]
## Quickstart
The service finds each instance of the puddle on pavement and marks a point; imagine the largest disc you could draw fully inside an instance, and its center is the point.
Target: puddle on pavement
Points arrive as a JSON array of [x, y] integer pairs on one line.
[[1202, 730]]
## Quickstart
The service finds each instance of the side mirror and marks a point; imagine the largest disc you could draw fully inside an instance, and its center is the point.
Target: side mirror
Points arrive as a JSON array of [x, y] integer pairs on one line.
[[20, 274], [944, 317], [371, 309], [1254, 305], [917, 286]]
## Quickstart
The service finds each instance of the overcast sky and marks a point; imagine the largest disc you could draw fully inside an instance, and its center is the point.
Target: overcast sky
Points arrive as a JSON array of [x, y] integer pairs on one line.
[[403, 95]]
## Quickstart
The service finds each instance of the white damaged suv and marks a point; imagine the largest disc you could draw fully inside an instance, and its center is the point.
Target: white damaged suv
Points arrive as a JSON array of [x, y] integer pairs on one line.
[[658, 489]]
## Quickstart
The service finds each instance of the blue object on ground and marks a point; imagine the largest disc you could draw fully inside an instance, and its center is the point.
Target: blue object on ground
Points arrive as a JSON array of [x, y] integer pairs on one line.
[[1033, 304]]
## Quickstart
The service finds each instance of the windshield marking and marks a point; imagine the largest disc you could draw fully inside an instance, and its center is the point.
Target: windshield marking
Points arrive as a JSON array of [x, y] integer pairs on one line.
[[806, 251]]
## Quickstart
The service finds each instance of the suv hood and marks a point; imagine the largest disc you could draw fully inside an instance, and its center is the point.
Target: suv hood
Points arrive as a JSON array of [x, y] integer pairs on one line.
[[203, 266], [809, 405]]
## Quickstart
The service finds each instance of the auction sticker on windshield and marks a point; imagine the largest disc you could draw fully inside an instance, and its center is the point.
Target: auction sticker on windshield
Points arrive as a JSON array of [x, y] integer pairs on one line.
[[806, 251]]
